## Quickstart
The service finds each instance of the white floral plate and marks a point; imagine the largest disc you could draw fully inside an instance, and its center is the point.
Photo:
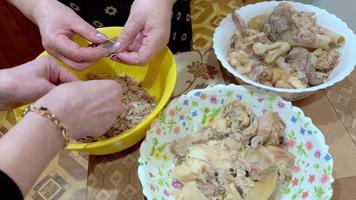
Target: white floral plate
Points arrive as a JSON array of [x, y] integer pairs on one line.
[[312, 173]]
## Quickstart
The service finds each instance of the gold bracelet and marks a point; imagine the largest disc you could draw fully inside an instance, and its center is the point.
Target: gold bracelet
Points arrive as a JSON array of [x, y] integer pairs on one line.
[[45, 113]]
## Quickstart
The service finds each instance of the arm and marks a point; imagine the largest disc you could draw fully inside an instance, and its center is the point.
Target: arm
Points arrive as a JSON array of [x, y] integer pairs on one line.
[[58, 23], [146, 31], [28, 148], [26, 6], [30, 81]]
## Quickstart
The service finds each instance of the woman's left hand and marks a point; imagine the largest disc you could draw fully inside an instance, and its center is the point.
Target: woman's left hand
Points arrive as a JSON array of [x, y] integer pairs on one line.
[[146, 31], [30, 81]]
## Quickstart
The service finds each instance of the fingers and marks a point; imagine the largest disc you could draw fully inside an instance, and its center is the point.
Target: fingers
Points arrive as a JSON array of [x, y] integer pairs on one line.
[[87, 31], [75, 65], [51, 72], [136, 44], [63, 47], [131, 30], [150, 45], [58, 74]]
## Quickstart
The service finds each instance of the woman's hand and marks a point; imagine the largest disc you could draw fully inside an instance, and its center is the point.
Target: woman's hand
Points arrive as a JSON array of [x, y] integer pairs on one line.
[[30, 81], [58, 24], [87, 108], [146, 31]]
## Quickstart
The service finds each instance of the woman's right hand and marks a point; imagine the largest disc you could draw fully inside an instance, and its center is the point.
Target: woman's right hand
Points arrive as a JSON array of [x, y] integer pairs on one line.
[[87, 108], [58, 23]]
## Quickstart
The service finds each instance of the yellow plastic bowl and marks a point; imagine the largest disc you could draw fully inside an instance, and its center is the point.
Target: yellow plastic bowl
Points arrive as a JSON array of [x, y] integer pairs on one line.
[[158, 78]]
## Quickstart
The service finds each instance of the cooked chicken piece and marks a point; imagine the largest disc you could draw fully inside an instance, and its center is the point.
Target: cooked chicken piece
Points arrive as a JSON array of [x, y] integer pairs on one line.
[[240, 61], [281, 78], [295, 82], [259, 22], [237, 115], [183, 173], [283, 159], [265, 188], [209, 132], [272, 51], [209, 185], [317, 78], [219, 125], [256, 163], [281, 63], [239, 23], [256, 72], [232, 144], [190, 192], [232, 193], [326, 60], [283, 84], [280, 21], [271, 128], [278, 154], [299, 59], [212, 154], [299, 29], [284, 171], [256, 141], [250, 131], [181, 147]]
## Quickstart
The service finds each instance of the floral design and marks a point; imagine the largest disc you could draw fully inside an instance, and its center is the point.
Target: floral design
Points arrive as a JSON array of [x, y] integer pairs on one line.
[[201, 86], [211, 71], [312, 172], [199, 69], [110, 10], [156, 150]]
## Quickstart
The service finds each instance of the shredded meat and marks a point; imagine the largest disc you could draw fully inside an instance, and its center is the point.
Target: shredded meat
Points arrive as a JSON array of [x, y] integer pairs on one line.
[[136, 102]]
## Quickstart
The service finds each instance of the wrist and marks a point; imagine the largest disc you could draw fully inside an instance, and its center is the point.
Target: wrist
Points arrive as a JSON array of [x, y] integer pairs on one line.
[[47, 131], [61, 112]]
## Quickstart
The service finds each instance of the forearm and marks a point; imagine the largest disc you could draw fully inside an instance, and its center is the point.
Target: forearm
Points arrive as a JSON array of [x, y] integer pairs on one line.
[[28, 7], [6, 88], [28, 148]]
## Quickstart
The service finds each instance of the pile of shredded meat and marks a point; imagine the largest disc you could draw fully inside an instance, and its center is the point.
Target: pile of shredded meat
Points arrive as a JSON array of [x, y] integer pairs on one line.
[[237, 156], [136, 105], [284, 49]]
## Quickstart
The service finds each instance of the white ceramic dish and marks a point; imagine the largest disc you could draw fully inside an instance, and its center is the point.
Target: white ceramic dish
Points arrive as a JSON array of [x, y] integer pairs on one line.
[[346, 65], [312, 173]]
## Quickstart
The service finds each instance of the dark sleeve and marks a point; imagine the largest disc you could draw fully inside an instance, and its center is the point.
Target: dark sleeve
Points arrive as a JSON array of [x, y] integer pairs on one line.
[[8, 188]]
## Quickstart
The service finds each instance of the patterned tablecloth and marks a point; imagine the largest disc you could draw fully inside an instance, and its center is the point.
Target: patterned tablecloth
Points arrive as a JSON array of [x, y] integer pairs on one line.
[[75, 176]]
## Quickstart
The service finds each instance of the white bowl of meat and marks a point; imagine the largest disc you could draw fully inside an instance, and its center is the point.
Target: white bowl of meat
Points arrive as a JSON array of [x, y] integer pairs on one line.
[[229, 143], [288, 48]]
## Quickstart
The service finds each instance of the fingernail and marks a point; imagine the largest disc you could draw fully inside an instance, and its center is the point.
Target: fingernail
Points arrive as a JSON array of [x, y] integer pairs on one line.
[[116, 47], [101, 36]]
